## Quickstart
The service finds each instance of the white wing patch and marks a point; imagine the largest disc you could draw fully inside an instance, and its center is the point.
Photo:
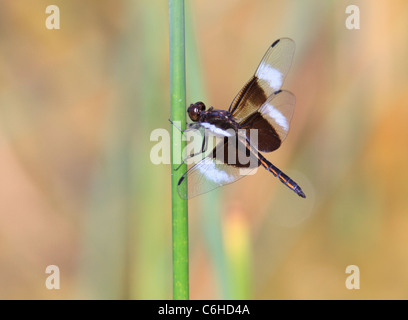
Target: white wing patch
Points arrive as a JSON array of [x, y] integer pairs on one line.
[[271, 75], [215, 130], [210, 171], [275, 114]]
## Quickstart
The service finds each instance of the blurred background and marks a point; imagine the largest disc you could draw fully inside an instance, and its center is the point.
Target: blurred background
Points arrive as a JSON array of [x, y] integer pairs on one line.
[[78, 189]]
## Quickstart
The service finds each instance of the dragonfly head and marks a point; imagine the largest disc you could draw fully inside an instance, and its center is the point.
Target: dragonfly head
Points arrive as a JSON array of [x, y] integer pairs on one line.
[[194, 110]]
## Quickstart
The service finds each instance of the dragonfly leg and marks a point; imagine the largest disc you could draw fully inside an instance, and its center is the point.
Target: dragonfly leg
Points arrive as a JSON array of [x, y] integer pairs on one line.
[[191, 126]]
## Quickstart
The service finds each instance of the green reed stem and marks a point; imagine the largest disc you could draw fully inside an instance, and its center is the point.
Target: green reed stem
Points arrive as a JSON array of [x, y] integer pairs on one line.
[[178, 115]]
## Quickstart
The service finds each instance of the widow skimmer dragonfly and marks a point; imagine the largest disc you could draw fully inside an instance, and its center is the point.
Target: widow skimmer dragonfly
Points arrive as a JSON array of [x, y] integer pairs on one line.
[[260, 105]]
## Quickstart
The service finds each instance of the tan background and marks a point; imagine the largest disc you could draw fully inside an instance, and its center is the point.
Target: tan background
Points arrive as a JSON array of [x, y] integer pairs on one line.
[[77, 188]]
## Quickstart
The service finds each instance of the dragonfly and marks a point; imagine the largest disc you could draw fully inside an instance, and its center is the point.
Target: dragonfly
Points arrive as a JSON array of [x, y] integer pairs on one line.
[[261, 107]]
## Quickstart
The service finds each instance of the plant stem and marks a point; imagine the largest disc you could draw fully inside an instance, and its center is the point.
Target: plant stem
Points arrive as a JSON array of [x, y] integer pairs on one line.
[[178, 115], [210, 207]]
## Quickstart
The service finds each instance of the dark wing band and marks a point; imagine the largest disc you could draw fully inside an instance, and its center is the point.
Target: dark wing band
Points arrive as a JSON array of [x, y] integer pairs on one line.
[[268, 79], [271, 122]]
